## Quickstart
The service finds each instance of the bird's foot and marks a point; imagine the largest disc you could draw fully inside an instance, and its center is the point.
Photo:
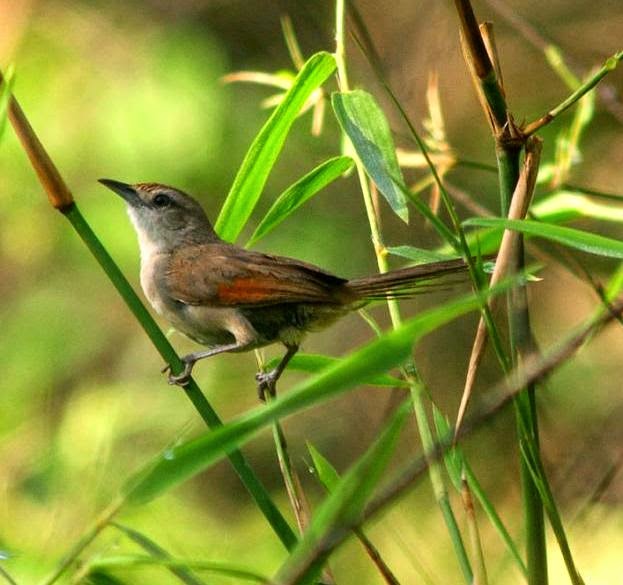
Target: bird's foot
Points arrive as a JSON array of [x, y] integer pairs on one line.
[[183, 378], [266, 383]]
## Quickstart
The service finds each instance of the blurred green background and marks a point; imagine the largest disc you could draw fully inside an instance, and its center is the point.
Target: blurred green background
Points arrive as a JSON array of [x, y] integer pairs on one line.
[[133, 91]]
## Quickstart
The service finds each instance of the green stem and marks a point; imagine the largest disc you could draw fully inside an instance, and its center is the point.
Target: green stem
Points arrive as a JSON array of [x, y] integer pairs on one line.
[[436, 478], [87, 538], [340, 49], [590, 83], [192, 390], [487, 506], [435, 475], [525, 404]]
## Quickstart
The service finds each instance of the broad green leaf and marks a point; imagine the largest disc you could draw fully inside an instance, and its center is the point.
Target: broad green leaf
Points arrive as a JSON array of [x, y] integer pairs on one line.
[[182, 462], [267, 145], [135, 561], [327, 474], [580, 240], [5, 95], [363, 121], [314, 363], [293, 197], [343, 506], [418, 255]]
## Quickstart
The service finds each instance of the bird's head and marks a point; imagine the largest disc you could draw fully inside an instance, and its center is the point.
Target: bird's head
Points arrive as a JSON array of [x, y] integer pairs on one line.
[[164, 217]]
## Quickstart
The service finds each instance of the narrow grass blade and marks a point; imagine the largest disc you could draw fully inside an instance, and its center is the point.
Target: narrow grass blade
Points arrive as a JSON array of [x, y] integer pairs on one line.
[[343, 506], [137, 561], [330, 479], [306, 187], [314, 363], [457, 468], [5, 575], [102, 578], [563, 206], [156, 551], [365, 124], [572, 238], [494, 518], [559, 207], [418, 255], [267, 145], [6, 88], [182, 462], [537, 472], [453, 458]]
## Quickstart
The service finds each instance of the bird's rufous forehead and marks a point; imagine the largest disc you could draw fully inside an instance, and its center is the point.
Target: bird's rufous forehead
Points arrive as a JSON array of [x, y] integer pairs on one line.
[[152, 187]]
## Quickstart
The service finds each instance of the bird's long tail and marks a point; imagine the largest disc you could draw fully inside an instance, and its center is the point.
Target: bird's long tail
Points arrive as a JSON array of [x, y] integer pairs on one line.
[[406, 282]]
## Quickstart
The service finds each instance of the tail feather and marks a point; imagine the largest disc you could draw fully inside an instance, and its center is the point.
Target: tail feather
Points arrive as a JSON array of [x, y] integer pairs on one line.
[[405, 282]]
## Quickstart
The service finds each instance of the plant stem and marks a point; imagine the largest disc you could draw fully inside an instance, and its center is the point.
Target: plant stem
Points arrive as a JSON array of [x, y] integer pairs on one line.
[[61, 199], [492, 404], [520, 335], [192, 390], [509, 144], [102, 520], [410, 371], [480, 569], [590, 83]]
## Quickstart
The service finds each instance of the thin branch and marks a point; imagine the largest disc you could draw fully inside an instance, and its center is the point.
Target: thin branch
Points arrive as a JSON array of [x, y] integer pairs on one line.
[[606, 68], [480, 63], [520, 203], [606, 91], [102, 520]]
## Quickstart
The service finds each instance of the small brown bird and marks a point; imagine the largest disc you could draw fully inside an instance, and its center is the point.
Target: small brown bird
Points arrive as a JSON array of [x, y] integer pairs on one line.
[[231, 299]]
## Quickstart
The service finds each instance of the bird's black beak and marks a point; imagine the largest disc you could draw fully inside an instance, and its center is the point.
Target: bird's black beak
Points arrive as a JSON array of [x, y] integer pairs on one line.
[[124, 190]]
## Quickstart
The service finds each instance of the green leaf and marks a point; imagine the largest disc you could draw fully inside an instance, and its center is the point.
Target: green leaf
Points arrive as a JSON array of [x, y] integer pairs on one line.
[[182, 462], [580, 240], [343, 506], [261, 156], [559, 207], [293, 197], [563, 206], [102, 578], [5, 95], [155, 550], [494, 517], [327, 474], [135, 561], [314, 363], [418, 255], [363, 121]]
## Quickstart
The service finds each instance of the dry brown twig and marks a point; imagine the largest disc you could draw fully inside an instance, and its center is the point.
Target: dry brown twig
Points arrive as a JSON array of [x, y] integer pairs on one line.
[[518, 209]]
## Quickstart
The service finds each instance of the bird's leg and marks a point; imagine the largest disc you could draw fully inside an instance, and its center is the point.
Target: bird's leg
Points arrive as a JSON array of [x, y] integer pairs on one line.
[[267, 381], [189, 361]]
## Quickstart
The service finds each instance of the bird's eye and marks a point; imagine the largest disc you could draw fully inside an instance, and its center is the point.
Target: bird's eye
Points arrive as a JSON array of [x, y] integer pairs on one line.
[[161, 200]]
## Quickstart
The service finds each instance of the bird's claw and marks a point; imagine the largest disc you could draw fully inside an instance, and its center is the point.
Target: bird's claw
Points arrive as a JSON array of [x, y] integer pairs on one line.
[[266, 383], [182, 379]]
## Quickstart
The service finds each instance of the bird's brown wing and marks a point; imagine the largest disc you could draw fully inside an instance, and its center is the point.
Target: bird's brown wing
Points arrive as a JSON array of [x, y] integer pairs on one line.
[[223, 275]]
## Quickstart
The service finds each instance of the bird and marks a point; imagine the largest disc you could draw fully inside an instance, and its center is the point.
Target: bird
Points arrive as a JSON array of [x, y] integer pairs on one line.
[[231, 299]]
